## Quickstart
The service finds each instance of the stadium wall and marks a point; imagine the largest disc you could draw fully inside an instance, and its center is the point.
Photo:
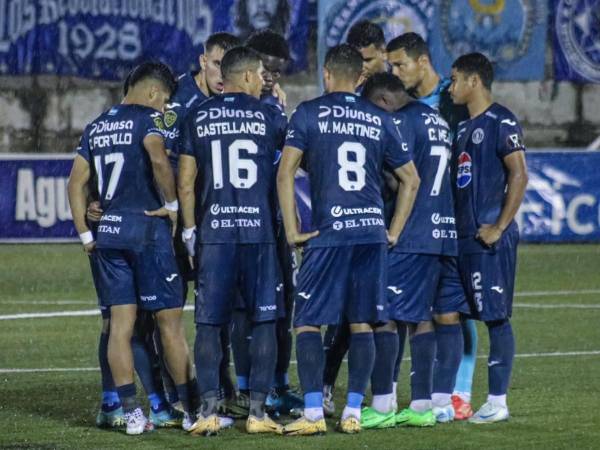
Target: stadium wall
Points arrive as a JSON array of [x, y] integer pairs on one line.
[[48, 114]]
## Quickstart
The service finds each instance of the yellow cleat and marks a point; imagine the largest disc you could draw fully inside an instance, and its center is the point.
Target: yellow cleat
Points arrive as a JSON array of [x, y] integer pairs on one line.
[[206, 426], [254, 425], [305, 427], [349, 425]]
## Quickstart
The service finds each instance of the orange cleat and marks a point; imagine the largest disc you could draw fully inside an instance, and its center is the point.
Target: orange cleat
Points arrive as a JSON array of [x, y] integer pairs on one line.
[[462, 409]]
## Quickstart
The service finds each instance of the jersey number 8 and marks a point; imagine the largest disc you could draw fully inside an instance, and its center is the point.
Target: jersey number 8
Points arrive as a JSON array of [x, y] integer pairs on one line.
[[351, 174]]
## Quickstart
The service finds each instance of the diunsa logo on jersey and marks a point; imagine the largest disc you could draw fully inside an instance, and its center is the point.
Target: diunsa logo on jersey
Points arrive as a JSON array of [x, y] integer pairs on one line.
[[464, 176]]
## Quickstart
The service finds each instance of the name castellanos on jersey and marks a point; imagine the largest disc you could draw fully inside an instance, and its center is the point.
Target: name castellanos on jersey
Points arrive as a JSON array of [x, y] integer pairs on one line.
[[353, 122], [107, 133], [254, 123]]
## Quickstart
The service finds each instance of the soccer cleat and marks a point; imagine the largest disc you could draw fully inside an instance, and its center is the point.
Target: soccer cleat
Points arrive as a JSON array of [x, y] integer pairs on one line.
[[462, 409], [136, 422], [166, 418], [237, 408], [373, 419], [349, 425], [254, 425], [188, 422], [111, 419], [285, 402], [225, 422], [206, 426], [490, 413], [410, 418], [328, 403], [443, 414], [305, 427]]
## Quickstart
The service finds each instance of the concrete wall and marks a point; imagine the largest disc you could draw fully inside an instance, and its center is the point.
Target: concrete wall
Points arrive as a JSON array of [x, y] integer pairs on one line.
[[48, 114]]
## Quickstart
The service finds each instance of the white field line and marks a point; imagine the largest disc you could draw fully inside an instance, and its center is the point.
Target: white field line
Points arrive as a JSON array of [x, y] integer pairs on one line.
[[557, 293], [557, 306], [520, 355]]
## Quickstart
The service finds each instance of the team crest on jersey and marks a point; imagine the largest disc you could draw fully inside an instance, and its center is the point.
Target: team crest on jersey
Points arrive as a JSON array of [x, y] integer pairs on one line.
[[158, 120], [577, 25], [170, 118], [477, 136], [464, 175]]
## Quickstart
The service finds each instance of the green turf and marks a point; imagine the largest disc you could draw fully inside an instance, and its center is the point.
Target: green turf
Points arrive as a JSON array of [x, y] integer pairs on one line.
[[552, 398]]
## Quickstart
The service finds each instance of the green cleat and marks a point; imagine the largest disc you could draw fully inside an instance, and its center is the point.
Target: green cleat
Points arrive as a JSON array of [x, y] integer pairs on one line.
[[409, 418], [372, 419]]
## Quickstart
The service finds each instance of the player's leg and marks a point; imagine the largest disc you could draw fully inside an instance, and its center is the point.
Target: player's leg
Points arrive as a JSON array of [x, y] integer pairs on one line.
[[461, 397], [337, 342], [401, 331], [241, 334]]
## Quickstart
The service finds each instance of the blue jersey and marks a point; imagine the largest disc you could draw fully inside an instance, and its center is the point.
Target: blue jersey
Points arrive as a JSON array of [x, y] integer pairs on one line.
[[441, 101], [187, 96], [234, 138], [480, 176], [113, 146], [431, 226], [345, 140]]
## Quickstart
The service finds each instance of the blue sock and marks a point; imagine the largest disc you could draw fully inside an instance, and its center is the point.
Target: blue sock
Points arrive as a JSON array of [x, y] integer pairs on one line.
[[464, 376], [110, 401], [143, 364], [241, 332], [282, 380], [157, 403], [207, 356], [263, 354], [401, 339], [361, 358], [243, 383], [127, 394], [311, 361], [422, 352], [386, 352], [502, 354], [184, 395], [108, 384], [449, 339]]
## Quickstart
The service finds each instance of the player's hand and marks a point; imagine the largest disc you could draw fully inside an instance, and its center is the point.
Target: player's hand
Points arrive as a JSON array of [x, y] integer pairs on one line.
[[188, 236], [280, 94], [392, 240], [89, 248], [300, 238], [94, 212], [164, 212], [488, 235]]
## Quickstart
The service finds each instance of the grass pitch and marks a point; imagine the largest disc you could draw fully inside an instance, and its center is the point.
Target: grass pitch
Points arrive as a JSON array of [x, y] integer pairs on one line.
[[553, 398]]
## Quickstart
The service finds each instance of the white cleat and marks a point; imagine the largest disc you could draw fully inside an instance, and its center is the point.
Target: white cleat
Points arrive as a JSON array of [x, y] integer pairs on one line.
[[443, 414], [490, 413], [187, 422], [136, 421], [225, 422]]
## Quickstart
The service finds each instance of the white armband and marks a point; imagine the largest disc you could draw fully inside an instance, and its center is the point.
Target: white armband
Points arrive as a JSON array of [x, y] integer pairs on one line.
[[86, 238]]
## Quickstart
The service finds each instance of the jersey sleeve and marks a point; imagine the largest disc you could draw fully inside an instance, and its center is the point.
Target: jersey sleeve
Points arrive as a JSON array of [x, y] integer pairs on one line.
[[510, 136], [155, 125], [83, 149], [297, 130], [398, 149]]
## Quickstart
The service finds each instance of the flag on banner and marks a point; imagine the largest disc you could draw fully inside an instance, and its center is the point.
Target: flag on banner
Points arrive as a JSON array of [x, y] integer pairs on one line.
[[576, 37], [511, 33]]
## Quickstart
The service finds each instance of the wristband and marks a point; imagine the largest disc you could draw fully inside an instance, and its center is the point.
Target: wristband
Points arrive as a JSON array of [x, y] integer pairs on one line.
[[86, 238], [172, 206], [188, 233]]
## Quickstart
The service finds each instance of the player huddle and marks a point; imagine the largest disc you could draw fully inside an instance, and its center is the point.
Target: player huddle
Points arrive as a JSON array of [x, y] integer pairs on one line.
[[414, 184]]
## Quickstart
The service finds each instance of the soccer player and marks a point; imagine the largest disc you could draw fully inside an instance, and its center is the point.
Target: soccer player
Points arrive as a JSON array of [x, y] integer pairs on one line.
[[124, 148], [368, 38], [409, 57], [344, 141], [423, 283], [230, 143], [491, 177]]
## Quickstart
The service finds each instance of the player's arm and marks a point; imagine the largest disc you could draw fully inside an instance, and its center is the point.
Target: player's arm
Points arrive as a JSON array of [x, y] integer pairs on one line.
[[78, 190], [408, 187], [516, 166], [290, 161], [186, 182], [163, 174]]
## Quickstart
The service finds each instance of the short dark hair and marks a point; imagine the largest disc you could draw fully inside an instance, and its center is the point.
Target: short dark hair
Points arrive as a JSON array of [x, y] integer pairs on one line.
[[155, 70], [269, 43], [364, 33], [344, 59], [381, 82], [476, 64], [239, 59], [222, 40], [413, 44]]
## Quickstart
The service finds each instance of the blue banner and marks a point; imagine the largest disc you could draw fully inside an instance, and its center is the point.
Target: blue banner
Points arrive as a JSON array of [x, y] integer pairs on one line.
[[104, 39], [576, 37], [512, 33]]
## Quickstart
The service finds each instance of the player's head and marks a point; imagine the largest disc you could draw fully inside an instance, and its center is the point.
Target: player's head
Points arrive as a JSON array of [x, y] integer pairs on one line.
[[386, 91], [150, 84], [343, 66], [258, 14], [367, 37], [274, 52], [472, 76], [242, 69], [409, 57], [210, 61]]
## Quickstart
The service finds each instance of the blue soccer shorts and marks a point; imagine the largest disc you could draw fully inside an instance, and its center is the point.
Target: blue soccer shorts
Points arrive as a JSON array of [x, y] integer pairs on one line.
[[342, 283], [240, 276]]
